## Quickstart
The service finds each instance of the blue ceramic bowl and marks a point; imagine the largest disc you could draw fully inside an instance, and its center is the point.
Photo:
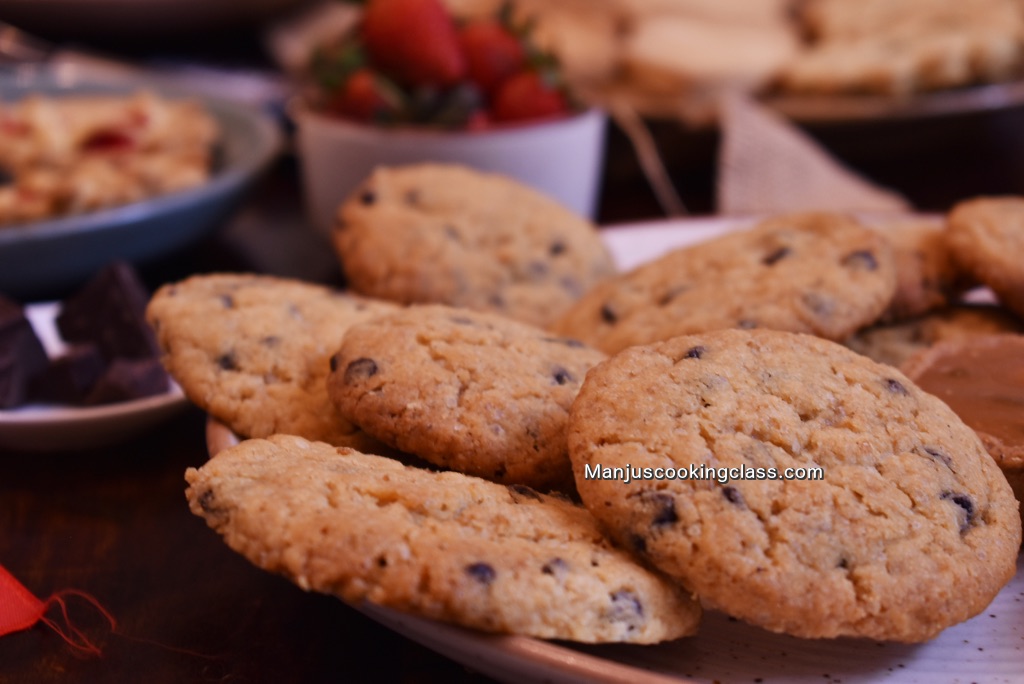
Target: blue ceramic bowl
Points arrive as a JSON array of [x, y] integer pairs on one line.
[[44, 257]]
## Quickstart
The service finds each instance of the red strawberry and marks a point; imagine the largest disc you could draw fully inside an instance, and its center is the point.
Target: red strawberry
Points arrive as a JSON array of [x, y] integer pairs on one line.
[[527, 96], [492, 53], [414, 41], [362, 97]]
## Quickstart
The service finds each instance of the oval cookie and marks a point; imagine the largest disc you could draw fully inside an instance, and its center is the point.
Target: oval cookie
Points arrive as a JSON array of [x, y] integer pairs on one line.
[[907, 526]]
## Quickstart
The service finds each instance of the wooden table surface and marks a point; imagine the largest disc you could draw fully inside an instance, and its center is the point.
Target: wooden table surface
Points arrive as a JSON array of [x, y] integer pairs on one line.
[[114, 523]]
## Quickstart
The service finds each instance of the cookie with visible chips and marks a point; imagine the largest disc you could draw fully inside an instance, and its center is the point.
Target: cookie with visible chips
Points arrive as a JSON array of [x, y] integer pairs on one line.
[[253, 351], [446, 234], [466, 390], [819, 273], [441, 545], [895, 523]]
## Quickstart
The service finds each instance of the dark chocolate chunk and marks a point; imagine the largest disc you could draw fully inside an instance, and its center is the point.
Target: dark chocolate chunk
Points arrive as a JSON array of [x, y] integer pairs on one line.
[[557, 247], [69, 378], [819, 304], [228, 362], [967, 508], [895, 386], [127, 379], [110, 312], [626, 607], [360, 369], [665, 505], [776, 256], [861, 259], [333, 362], [206, 501], [938, 456], [608, 315], [228, 301], [481, 572], [556, 567], [561, 375], [22, 356], [367, 197], [732, 495], [697, 352], [671, 294]]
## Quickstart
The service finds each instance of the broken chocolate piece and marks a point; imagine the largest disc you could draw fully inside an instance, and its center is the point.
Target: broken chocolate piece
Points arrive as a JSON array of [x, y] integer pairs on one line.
[[69, 377], [110, 312], [22, 356], [128, 379]]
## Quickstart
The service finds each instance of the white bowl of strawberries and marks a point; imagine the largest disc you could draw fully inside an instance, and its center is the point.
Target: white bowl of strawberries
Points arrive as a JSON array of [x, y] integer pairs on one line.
[[408, 84]]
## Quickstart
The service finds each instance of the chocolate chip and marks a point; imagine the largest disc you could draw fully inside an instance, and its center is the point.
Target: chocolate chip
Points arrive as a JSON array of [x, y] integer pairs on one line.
[[776, 256], [523, 490], [228, 301], [860, 259], [608, 315], [819, 304], [732, 495], [964, 502], [626, 607], [561, 375], [228, 361], [451, 233], [843, 564], [382, 562], [206, 501], [360, 369], [270, 341], [334, 363], [556, 248], [555, 566], [697, 352], [896, 387], [368, 197], [537, 269], [939, 456], [6, 177], [671, 294], [572, 286], [666, 509], [481, 572], [746, 324]]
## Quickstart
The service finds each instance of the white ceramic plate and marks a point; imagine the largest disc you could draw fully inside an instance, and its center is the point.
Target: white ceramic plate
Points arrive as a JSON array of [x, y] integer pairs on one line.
[[45, 427], [986, 649]]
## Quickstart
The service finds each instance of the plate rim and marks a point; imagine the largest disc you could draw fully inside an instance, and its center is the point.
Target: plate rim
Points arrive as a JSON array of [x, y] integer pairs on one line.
[[26, 79]]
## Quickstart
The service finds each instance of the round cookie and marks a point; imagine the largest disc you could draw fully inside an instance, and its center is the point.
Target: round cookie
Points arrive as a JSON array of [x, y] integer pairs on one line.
[[442, 545], [253, 351], [818, 273], [982, 379], [927, 278], [911, 527], [895, 343], [471, 391], [446, 234], [986, 236]]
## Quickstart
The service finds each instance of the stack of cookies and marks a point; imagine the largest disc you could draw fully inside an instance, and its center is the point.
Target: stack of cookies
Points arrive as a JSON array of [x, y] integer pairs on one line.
[[496, 429]]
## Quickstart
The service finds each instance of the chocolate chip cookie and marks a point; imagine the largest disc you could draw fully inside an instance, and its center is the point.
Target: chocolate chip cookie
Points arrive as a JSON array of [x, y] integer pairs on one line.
[[818, 273], [450, 235], [253, 351], [471, 391], [895, 343], [986, 236], [894, 523], [442, 545]]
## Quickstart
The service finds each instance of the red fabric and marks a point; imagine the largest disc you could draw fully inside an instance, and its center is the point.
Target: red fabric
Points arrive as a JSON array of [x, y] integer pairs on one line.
[[20, 610]]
